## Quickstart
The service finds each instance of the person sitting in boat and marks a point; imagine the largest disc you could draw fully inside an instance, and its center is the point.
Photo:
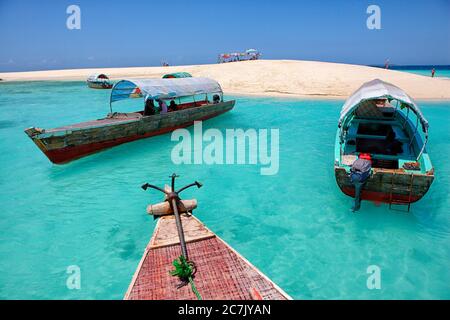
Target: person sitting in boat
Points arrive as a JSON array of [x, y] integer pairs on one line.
[[173, 106], [162, 106], [149, 107], [216, 98]]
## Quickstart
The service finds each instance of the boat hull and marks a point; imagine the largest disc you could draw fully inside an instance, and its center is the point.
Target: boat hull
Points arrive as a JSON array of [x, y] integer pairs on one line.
[[387, 185], [65, 145], [99, 85]]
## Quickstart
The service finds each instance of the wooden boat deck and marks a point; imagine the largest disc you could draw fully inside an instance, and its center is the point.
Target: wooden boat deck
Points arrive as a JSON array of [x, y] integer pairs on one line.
[[222, 273], [119, 117], [125, 117]]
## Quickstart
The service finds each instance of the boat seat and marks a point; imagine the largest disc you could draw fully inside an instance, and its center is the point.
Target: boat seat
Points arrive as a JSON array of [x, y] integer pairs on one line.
[[381, 121], [402, 156], [352, 132], [369, 109], [406, 154]]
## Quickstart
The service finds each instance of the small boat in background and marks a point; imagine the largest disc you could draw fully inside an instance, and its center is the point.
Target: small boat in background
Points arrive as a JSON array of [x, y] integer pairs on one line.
[[177, 75], [189, 102], [380, 154], [99, 81], [249, 54]]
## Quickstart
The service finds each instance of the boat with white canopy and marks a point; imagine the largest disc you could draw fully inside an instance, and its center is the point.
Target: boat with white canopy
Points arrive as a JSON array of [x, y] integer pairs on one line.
[[380, 148], [181, 102], [99, 81]]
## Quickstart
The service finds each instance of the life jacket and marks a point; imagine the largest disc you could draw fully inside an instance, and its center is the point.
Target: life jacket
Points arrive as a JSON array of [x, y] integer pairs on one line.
[[365, 156]]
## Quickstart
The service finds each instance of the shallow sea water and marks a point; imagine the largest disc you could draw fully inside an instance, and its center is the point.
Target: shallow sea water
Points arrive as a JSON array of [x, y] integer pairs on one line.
[[295, 226], [440, 73]]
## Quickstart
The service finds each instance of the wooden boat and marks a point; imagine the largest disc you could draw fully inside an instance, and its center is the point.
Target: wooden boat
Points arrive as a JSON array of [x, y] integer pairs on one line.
[[99, 81], [221, 272], [177, 75], [381, 122], [70, 142]]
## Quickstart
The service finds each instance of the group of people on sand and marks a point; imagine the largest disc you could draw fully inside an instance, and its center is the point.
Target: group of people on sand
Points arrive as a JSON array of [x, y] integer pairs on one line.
[[151, 109]]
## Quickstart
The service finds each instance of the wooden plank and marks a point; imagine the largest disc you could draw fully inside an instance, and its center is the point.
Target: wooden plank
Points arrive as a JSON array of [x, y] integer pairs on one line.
[[166, 233]]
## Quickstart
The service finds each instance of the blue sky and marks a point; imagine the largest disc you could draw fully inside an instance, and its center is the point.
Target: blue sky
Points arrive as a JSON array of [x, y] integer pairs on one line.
[[34, 36]]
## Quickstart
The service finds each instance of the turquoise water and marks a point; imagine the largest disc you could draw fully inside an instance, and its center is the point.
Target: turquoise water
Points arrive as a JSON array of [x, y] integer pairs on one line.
[[441, 71], [295, 226], [438, 74]]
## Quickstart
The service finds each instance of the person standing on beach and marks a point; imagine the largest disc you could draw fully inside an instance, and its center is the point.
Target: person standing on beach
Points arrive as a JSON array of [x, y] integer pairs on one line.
[[433, 71]]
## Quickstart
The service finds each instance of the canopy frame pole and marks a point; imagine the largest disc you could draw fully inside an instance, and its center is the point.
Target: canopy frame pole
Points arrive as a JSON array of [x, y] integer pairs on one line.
[[406, 118], [415, 132], [110, 102], [423, 147]]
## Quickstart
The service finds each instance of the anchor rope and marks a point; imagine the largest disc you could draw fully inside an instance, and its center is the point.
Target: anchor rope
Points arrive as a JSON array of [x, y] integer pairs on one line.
[[185, 270]]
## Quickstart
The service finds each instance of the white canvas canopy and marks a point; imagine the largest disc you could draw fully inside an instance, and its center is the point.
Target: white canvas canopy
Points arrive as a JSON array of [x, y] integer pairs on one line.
[[163, 88], [97, 77], [376, 89]]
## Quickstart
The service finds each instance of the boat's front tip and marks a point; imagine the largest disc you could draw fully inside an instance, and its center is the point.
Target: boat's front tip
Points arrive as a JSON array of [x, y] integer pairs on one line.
[[33, 131]]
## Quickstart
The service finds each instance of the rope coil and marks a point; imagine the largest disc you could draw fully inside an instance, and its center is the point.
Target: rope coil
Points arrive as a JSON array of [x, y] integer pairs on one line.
[[185, 270]]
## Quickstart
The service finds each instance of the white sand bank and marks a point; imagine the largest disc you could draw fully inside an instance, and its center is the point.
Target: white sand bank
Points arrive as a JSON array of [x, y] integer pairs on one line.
[[270, 77]]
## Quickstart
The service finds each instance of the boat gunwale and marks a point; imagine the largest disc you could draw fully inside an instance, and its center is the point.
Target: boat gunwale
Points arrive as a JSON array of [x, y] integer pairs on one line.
[[64, 130], [408, 126], [399, 171]]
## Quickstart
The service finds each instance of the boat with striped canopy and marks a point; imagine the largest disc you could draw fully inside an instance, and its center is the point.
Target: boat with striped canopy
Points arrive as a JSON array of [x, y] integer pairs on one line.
[[193, 99]]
